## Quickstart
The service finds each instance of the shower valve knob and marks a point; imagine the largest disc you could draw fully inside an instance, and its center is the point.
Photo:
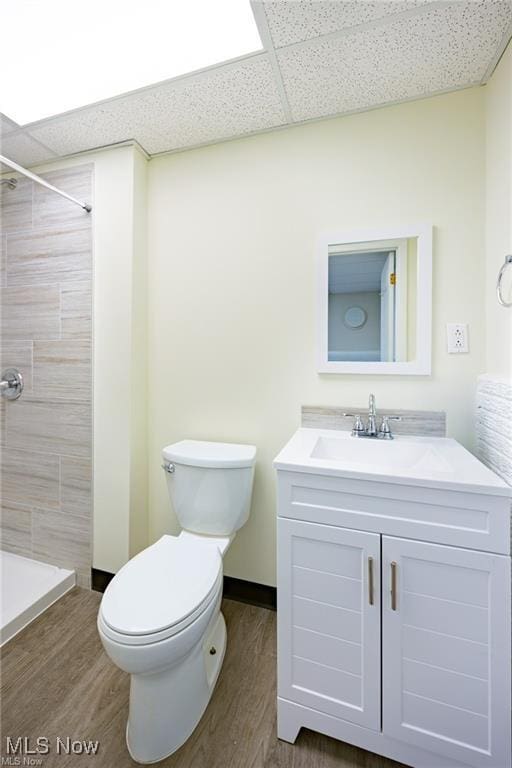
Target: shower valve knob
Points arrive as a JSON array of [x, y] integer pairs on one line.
[[11, 384]]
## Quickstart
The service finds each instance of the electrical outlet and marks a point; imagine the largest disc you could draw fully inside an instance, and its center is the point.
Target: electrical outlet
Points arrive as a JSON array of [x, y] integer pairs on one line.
[[457, 338]]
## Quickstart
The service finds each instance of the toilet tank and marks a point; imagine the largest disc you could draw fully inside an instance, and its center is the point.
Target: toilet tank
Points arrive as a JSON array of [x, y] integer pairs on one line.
[[210, 484]]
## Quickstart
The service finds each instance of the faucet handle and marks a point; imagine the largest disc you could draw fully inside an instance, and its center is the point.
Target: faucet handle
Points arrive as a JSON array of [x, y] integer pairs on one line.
[[385, 431], [358, 427]]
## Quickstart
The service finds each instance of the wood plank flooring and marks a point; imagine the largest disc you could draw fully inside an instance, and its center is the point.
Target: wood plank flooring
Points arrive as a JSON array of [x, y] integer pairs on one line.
[[57, 681]]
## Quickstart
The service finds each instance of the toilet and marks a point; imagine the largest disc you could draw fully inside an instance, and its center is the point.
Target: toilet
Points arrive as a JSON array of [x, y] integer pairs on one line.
[[160, 617]]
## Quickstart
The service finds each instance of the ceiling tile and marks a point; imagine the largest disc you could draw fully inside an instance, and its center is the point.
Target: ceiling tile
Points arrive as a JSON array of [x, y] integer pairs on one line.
[[293, 22], [22, 149], [231, 101], [443, 48], [7, 125], [227, 101]]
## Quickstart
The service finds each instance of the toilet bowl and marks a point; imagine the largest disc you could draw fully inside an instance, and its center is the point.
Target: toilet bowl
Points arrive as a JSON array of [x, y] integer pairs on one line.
[[160, 618]]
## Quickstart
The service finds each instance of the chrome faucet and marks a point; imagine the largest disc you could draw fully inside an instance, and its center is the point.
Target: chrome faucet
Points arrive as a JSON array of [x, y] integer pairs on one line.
[[370, 430]]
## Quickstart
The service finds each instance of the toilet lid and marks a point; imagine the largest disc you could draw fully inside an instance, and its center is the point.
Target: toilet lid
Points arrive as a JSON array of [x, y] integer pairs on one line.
[[200, 453], [162, 585]]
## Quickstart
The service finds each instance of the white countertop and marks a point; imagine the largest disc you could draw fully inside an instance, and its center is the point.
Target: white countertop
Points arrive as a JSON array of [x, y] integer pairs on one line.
[[434, 462]]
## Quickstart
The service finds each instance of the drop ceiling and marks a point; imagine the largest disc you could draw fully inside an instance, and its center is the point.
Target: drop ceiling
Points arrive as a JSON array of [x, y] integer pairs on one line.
[[320, 58]]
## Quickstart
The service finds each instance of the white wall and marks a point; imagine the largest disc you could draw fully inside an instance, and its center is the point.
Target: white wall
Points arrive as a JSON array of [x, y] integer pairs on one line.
[[232, 234], [498, 94]]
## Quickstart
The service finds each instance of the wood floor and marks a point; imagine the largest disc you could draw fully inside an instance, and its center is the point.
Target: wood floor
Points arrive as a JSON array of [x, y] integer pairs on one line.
[[57, 681]]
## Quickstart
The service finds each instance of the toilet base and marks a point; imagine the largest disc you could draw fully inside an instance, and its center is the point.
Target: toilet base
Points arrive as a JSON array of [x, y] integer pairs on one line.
[[166, 706]]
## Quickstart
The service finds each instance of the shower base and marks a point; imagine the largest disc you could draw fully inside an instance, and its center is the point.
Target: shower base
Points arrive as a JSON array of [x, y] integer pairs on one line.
[[28, 588]]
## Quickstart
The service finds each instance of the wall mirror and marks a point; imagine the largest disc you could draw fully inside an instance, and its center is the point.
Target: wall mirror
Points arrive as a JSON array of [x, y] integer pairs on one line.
[[375, 301]]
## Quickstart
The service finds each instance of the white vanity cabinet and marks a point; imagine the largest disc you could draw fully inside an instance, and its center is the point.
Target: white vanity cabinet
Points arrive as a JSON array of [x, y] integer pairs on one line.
[[394, 617], [329, 619], [446, 650]]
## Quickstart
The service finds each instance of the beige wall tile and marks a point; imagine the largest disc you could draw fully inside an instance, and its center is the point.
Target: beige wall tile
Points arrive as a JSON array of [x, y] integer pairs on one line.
[[18, 354], [51, 209], [63, 369], [30, 478], [76, 486], [426, 423], [46, 311], [76, 310], [31, 312], [83, 578], [61, 539], [52, 426], [49, 256], [15, 528], [3, 256], [16, 206]]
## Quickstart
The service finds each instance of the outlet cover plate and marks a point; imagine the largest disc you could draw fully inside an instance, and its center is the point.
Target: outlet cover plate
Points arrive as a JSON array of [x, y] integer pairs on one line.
[[457, 338]]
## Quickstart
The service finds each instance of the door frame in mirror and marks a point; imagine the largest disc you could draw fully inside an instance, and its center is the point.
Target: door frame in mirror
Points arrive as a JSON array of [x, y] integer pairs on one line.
[[422, 364]]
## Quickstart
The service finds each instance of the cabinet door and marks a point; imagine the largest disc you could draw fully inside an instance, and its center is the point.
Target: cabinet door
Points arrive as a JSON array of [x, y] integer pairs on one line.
[[329, 620], [446, 650]]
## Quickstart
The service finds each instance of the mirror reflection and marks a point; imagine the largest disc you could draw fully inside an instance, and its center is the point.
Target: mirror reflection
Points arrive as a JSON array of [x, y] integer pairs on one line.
[[372, 302]]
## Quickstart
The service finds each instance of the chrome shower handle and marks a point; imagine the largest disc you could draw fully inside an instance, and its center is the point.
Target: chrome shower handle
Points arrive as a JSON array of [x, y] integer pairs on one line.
[[11, 384]]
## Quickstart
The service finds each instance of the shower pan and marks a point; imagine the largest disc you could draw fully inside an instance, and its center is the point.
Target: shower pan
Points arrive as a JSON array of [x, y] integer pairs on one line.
[[28, 588]]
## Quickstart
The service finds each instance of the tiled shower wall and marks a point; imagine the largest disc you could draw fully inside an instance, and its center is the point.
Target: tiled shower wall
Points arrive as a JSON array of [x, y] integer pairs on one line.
[[46, 332]]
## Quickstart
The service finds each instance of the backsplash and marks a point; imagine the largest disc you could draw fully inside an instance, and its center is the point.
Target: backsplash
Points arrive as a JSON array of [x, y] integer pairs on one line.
[[46, 321], [426, 423]]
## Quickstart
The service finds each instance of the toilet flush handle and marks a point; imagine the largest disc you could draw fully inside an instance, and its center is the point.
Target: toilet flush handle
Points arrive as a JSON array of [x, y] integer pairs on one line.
[[169, 467]]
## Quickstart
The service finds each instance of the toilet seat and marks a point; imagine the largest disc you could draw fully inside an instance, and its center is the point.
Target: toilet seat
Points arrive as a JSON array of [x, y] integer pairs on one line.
[[162, 590]]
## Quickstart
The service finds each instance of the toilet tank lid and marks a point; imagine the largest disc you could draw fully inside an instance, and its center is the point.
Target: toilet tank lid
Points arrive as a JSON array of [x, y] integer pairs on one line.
[[200, 453]]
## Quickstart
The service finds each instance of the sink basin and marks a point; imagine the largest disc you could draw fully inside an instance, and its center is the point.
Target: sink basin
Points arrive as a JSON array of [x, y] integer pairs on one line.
[[381, 455], [411, 460]]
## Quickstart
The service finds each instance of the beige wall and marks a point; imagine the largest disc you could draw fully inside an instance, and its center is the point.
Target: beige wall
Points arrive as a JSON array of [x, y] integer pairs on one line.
[[498, 215], [232, 232]]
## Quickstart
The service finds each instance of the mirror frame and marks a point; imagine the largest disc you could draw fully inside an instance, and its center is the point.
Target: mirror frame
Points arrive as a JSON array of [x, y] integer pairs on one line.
[[422, 364]]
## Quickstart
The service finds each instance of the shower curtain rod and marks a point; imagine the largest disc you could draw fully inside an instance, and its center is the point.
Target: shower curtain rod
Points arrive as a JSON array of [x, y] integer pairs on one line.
[[39, 180]]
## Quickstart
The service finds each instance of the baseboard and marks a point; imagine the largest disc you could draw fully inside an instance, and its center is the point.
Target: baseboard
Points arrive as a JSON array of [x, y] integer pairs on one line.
[[100, 579], [241, 590], [250, 592]]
